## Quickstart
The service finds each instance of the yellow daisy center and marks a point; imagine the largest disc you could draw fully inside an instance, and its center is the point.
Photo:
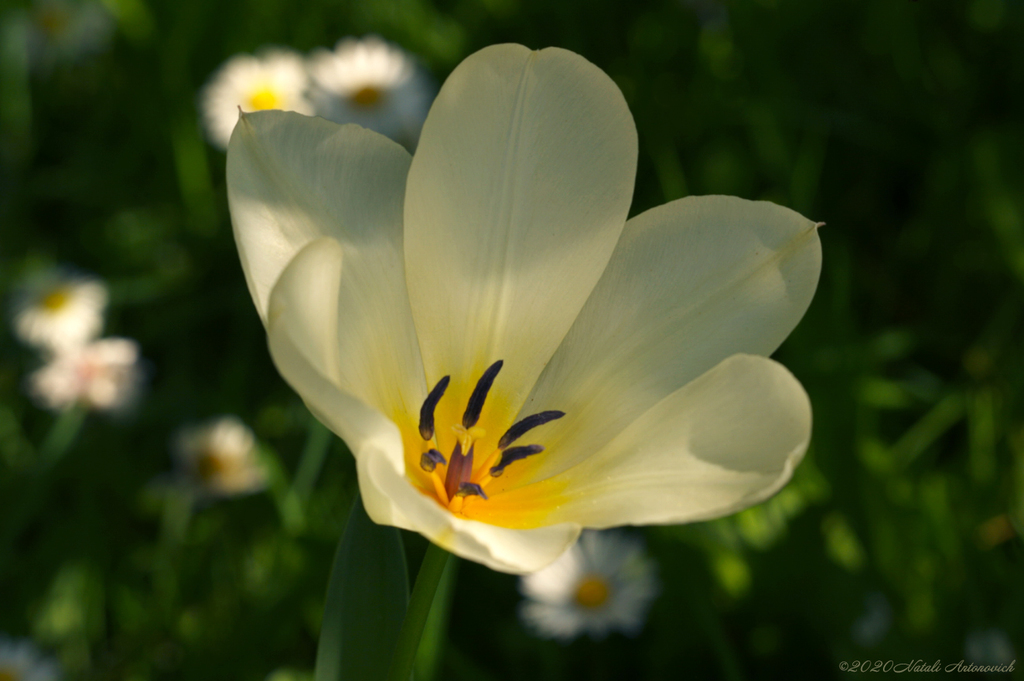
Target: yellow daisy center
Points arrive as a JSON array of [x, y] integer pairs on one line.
[[212, 466], [54, 301], [367, 96], [8, 674], [461, 461], [592, 592], [263, 99]]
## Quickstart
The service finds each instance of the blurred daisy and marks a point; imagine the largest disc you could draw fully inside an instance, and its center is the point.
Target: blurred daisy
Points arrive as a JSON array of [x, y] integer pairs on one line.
[[20, 660], [57, 310], [604, 583], [66, 30], [105, 375], [218, 457], [374, 84], [275, 79]]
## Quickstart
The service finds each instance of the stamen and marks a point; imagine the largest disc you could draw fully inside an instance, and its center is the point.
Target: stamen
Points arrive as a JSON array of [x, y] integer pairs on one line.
[[459, 469], [427, 410], [430, 459], [476, 400], [529, 423], [470, 489], [512, 455]]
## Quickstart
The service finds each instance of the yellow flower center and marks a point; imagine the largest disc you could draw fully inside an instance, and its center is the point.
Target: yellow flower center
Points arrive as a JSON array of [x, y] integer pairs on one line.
[[367, 96], [263, 99], [211, 466], [592, 592], [54, 301], [458, 463]]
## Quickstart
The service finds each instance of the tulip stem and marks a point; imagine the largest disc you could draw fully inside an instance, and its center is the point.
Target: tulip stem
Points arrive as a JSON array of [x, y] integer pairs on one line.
[[420, 601]]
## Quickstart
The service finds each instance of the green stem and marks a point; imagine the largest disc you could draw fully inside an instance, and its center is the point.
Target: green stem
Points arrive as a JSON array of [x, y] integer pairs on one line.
[[435, 636], [704, 609], [20, 513], [60, 438], [416, 614], [318, 441]]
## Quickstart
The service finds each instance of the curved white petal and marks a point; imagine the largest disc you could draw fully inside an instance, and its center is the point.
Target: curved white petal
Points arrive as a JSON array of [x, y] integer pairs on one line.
[[691, 283], [723, 442], [342, 309], [305, 335], [391, 500], [292, 179], [516, 197]]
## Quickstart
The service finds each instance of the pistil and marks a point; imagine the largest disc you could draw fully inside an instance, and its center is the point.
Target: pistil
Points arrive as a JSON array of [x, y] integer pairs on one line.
[[458, 480]]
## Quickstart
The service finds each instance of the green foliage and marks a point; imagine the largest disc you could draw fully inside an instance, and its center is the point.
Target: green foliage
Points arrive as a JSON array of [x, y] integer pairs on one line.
[[896, 122], [366, 602]]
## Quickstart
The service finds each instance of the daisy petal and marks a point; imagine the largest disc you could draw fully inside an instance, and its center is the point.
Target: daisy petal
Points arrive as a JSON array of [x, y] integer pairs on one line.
[[691, 283], [516, 197], [723, 442], [292, 179], [343, 311]]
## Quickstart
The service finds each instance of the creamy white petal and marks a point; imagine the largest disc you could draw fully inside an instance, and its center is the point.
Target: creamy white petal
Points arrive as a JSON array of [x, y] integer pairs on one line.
[[304, 353], [390, 499], [344, 309], [691, 283], [292, 179], [304, 343], [388, 495], [725, 441], [516, 196]]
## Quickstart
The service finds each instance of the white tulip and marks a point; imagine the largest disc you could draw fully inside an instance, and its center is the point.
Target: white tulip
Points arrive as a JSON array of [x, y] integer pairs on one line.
[[381, 277]]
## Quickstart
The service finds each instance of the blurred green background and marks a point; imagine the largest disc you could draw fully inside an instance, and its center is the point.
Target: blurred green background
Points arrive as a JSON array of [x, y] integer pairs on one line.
[[899, 123]]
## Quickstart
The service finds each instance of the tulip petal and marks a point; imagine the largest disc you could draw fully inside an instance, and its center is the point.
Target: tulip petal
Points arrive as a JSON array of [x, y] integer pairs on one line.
[[391, 500], [691, 283], [292, 179], [342, 313], [305, 338], [725, 441], [516, 197]]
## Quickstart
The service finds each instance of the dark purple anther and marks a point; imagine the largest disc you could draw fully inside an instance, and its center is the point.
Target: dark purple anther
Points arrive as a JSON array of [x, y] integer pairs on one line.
[[514, 454], [427, 410], [529, 423], [479, 396], [429, 460], [470, 489]]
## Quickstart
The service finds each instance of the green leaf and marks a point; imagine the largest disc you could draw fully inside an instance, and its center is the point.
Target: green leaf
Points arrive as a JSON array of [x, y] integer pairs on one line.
[[366, 601]]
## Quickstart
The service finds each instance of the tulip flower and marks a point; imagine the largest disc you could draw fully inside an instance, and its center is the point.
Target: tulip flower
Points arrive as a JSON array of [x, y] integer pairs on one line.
[[509, 358]]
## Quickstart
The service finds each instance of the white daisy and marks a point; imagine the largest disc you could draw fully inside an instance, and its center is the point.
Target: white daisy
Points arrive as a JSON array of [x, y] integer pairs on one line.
[[58, 309], [105, 375], [374, 84], [66, 30], [275, 79], [20, 660], [218, 457], [604, 583]]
